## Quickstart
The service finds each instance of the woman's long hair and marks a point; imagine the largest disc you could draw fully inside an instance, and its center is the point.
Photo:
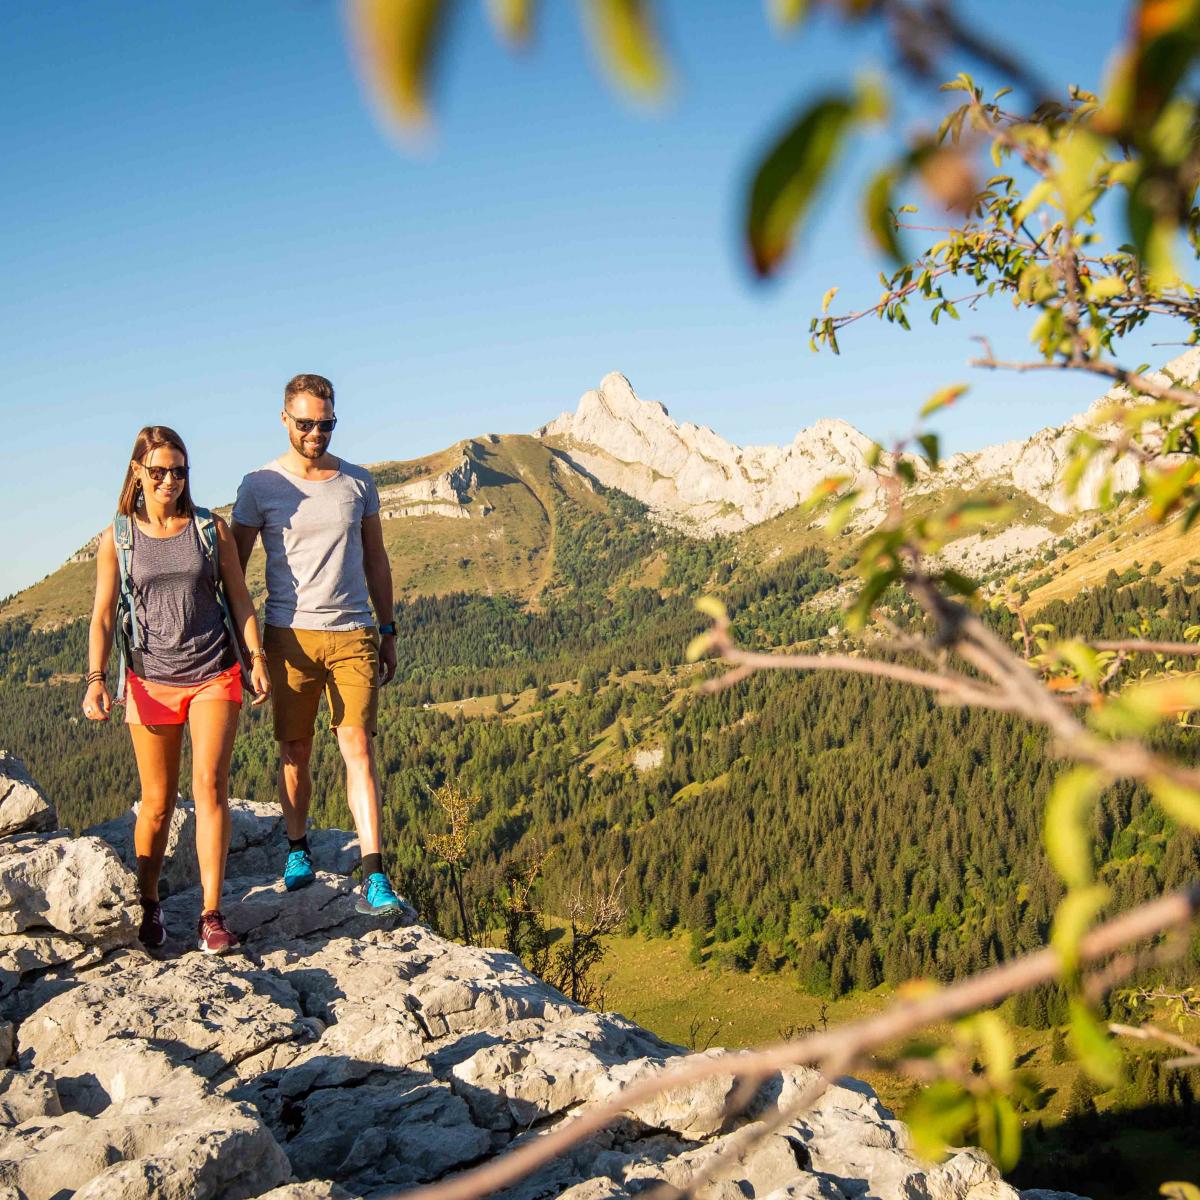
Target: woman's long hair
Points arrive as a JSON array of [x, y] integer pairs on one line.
[[149, 439]]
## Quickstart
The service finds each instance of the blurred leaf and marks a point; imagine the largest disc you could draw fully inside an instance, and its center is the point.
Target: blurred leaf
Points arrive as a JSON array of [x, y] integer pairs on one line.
[[1181, 803], [710, 606], [959, 583], [513, 19], [999, 1129], [976, 514], [827, 299], [1141, 706], [859, 612], [624, 35], [1094, 1050], [1078, 156], [788, 178], [826, 488], [942, 398], [906, 471], [1085, 661], [843, 510], [1178, 1189], [397, 43], [995, 1044], [1167, 489], [931, 446], [698, 647], [787, 13], [1066, 831], [880, 219], [939, 1118], [1072, 919]]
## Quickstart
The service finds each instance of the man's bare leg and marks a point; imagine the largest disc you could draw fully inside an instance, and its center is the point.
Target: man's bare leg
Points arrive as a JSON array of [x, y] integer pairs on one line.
[[363, 793], [295, 784]]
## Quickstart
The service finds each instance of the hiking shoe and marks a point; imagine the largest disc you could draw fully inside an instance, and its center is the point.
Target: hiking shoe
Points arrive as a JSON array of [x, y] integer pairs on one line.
[[298, 870], [152, 933], [214, 937], [377, 896]]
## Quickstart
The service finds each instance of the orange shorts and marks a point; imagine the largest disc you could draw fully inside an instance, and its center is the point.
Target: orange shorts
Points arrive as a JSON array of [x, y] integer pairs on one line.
[[150, 703]]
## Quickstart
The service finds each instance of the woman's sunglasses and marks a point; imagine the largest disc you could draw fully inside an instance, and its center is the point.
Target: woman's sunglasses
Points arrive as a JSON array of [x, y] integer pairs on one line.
[[308, 424], [158, 474]]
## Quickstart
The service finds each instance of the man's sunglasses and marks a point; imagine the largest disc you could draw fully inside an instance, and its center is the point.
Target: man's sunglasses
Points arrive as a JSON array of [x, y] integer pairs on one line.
[[158, 474], [308, 424]]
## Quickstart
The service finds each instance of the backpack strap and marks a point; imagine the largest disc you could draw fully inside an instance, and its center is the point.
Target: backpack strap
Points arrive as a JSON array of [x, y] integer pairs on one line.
[[206, 527], [128, 635]]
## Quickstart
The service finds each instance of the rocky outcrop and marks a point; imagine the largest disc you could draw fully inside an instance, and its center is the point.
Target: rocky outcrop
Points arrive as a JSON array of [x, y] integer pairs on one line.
[[694, 479], [340, 1055], [446, 495], [23, 808]]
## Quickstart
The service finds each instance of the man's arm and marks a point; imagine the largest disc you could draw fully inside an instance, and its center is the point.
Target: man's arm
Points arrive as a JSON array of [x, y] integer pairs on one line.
[[245, 537], [379, 586]]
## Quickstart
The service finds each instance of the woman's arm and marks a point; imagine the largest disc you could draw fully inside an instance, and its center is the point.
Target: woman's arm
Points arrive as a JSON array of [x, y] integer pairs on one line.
[[238, 595], [97, 701]]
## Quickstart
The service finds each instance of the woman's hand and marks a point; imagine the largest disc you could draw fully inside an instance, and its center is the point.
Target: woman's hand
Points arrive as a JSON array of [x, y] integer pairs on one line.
[[261, 679], [97, 703]]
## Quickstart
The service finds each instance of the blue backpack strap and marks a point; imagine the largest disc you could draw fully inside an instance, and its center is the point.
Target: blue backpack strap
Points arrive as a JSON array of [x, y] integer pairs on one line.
[[206, 527]]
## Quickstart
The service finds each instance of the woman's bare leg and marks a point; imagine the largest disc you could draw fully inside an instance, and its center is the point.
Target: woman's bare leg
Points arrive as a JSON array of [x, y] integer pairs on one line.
[[156, 748], [213, 726]]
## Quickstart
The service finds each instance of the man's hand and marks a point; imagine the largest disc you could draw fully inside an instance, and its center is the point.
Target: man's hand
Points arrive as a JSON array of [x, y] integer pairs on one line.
[[387, 657]]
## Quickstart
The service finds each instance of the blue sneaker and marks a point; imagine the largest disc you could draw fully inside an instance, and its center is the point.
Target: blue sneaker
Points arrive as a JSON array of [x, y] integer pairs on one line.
[[298, 870], [377, 896]]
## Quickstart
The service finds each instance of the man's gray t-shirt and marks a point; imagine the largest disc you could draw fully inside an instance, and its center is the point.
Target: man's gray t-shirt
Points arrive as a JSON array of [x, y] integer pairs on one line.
[[312, 534]]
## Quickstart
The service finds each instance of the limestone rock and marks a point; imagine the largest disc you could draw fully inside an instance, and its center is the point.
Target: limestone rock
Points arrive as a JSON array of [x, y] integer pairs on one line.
[[130, 1124], [257, 844], [340, 1051], [23, 808]]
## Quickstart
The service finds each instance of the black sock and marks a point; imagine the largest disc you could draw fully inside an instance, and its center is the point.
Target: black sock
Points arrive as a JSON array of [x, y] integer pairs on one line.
[[300, 843], [372, 864]]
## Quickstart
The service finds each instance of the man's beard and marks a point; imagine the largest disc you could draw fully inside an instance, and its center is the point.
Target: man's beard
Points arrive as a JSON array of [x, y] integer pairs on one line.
[[307, 451]]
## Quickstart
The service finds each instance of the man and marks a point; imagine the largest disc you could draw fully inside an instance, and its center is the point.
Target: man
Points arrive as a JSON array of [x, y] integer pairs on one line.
[[326, 567]]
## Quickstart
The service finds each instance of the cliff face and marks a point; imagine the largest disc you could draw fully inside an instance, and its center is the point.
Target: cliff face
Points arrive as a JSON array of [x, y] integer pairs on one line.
[[337, 1055], [696, 480]]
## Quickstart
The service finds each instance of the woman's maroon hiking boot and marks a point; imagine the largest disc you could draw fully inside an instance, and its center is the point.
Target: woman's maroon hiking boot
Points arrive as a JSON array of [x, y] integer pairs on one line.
[[152, 933], [214, 937]]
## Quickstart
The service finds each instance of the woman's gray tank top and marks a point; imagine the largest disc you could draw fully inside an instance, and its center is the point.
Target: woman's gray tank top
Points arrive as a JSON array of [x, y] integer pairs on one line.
[[175, 606]]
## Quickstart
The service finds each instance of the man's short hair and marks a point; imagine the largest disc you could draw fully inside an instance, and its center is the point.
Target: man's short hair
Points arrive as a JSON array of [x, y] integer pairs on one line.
[[312, 385]]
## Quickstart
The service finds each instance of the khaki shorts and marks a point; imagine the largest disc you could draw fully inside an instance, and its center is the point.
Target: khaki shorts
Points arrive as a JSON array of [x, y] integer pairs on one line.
[[303, 663]]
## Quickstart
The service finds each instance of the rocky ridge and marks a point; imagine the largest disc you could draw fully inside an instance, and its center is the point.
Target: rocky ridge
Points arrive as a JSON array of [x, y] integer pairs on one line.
[[694, 479], [340, 1056]]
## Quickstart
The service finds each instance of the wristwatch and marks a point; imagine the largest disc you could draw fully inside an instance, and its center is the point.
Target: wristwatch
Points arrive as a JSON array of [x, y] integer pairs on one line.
[[389, 629]]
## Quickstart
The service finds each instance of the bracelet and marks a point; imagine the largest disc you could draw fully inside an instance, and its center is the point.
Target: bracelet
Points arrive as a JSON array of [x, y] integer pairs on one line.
[[259, 653], [95, 677]]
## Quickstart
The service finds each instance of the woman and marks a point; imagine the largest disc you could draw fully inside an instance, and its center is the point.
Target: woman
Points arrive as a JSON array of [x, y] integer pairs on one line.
[[169, 580]]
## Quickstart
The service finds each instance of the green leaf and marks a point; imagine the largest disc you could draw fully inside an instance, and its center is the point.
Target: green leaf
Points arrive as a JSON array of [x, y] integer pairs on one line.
[[1065, 832], [1085, 661], [397, 46], [906, 471], [879, 217], [1142, 706], [624, 35], [513, 19], [826, 488], [1094, 1050], [939, 1118], [788, 178], [710, 606], [1179, 802], [859, 612], [1078, 158], [827, 299], [959, 583], [1072, 919], [942, 398], [999, 1129], [1105, 287], [931, 447], [786, 14], [995, 1044], [1034, 198], [843, 510]]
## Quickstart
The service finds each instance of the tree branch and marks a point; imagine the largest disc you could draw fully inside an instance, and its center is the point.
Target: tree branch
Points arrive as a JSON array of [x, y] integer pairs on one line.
[[1131, 379], [846, 1043]]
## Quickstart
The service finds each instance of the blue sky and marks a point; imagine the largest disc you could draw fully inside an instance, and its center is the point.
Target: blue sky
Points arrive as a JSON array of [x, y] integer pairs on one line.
[[198, 204]]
